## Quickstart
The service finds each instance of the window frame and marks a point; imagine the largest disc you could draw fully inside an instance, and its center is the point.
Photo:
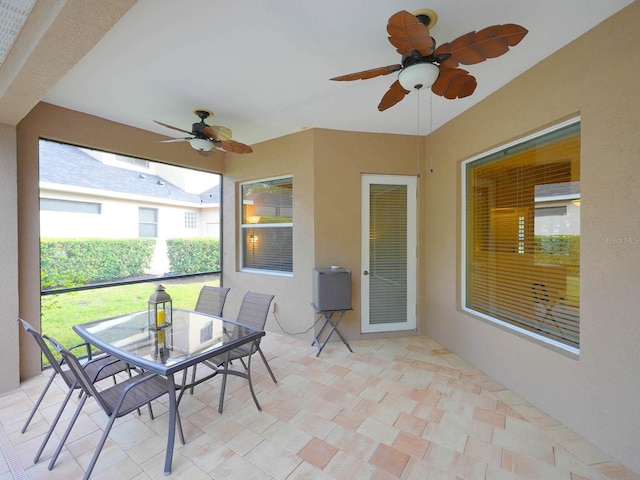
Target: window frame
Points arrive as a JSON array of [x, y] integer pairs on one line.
[[523, 332], [70, 206], [190, 220], [142, 223], [243, 226]]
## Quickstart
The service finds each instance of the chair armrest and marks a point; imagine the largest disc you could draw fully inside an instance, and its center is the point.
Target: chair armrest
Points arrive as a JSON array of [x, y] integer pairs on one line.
[[99, 370], [135, 383], [83, 344]]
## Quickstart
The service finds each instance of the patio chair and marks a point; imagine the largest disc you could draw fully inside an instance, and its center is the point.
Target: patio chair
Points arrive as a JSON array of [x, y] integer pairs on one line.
[[211, 300], [116, 401], [98, 368], [541, 301], [253, 313], [555, 316]]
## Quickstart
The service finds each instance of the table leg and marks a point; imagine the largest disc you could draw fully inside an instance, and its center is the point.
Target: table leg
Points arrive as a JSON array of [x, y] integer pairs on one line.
[[256, 344], [172, 425], [224, 381]]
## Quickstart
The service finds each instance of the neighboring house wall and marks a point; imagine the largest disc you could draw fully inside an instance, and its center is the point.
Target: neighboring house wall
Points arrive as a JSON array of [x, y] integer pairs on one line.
[[209, 223], [119, 218], [594, 395], [565, 224]]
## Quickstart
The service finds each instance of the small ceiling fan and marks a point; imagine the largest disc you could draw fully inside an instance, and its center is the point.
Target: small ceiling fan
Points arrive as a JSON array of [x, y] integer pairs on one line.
[[206, 137], [423, 65]]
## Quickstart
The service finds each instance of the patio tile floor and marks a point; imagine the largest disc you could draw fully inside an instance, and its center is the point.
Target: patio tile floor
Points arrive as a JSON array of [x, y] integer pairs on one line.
[[401, 408]]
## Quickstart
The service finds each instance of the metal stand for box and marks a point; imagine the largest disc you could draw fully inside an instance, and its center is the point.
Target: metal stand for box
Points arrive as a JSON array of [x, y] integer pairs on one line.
[[328, 314]]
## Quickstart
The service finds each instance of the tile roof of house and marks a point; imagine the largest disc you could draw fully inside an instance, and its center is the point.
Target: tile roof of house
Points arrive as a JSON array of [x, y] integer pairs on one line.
[[65, 164]]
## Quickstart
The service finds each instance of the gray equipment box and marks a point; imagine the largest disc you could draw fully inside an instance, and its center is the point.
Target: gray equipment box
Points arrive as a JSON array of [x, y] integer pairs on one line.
[[331, 289]]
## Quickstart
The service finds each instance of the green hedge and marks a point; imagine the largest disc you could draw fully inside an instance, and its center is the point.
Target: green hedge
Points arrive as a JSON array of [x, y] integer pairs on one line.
[[193, 255], [558, 250], [73, 262]]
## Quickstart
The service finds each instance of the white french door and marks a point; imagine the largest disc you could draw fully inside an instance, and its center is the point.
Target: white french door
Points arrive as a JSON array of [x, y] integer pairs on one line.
[[389, 253]]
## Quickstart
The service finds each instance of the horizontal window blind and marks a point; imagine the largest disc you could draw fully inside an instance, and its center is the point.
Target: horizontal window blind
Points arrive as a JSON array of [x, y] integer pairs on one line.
[[388, 253], [523, 235], [268, 248]]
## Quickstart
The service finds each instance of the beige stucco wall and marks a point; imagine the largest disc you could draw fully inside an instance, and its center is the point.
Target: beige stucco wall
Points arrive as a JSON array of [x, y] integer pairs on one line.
[[596, 395], [9, 353], [326, 166], [339, 162], [290, 155]]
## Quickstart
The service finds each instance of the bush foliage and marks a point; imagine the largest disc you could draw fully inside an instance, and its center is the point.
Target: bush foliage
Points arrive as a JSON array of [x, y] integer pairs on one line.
[[193, 255], [558, 249], [73, 262]]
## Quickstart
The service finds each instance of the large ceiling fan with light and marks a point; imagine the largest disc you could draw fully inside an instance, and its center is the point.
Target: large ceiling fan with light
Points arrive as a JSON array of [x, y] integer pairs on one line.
[[204, 137], [424, 65]]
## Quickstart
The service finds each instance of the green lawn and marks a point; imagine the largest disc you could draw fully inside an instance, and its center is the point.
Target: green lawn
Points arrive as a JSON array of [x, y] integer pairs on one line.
[[60, 312]]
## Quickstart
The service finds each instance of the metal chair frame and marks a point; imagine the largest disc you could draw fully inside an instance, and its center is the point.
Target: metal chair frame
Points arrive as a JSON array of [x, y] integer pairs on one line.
[[116, 401], [211, 301], [97, 368], [253, 313]]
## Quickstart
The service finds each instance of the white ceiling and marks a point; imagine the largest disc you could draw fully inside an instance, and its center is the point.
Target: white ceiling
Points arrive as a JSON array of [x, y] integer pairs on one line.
[[263, 66]]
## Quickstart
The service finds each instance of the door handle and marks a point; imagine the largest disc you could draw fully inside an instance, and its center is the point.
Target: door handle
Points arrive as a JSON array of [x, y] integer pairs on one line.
[[365, 272]]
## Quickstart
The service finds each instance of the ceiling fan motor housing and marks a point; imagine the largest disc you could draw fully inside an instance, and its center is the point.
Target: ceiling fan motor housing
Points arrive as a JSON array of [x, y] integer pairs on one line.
[[196, 129]]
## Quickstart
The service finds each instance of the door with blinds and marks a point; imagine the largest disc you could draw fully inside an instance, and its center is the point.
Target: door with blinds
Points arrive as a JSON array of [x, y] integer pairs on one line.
[[389, 259]]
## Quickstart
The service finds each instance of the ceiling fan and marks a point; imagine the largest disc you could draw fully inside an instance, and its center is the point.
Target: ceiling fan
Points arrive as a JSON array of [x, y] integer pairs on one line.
[[206, 137], [423, 65]]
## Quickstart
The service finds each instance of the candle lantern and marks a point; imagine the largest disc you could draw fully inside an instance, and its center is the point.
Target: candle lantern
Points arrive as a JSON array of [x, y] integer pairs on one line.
[[160, 310], [160, 345]]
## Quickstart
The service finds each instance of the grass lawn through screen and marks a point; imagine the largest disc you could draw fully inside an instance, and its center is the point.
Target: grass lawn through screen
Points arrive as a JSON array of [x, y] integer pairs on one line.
[[61, 312]]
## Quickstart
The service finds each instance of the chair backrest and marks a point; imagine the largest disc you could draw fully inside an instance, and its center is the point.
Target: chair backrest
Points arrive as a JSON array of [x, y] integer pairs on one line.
[[539, 291], [541, 300], [211, 300], [75, 367], [43, 346], [254, 309]]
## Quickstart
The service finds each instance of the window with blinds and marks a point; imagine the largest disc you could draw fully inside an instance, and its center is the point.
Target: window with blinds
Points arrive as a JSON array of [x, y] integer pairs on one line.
[[522, 235], [267, 225]]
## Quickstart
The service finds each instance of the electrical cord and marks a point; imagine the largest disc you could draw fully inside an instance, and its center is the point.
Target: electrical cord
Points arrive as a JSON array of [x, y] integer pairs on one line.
[[297, 333]]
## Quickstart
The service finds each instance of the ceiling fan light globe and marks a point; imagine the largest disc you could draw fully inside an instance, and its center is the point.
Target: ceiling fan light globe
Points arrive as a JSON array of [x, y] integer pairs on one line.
[[420, 75], [201, 144]]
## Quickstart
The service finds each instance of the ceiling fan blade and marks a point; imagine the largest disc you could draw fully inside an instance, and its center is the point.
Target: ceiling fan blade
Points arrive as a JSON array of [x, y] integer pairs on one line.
[[172, 127], [176, 140], [217, 133], [407, 34], [365, 74], [476, 47], [454, 83], [395, 93], [231, 146]]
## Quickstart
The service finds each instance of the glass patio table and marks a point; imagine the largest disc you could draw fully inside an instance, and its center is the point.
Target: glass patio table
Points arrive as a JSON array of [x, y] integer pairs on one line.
[[193, 337]]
